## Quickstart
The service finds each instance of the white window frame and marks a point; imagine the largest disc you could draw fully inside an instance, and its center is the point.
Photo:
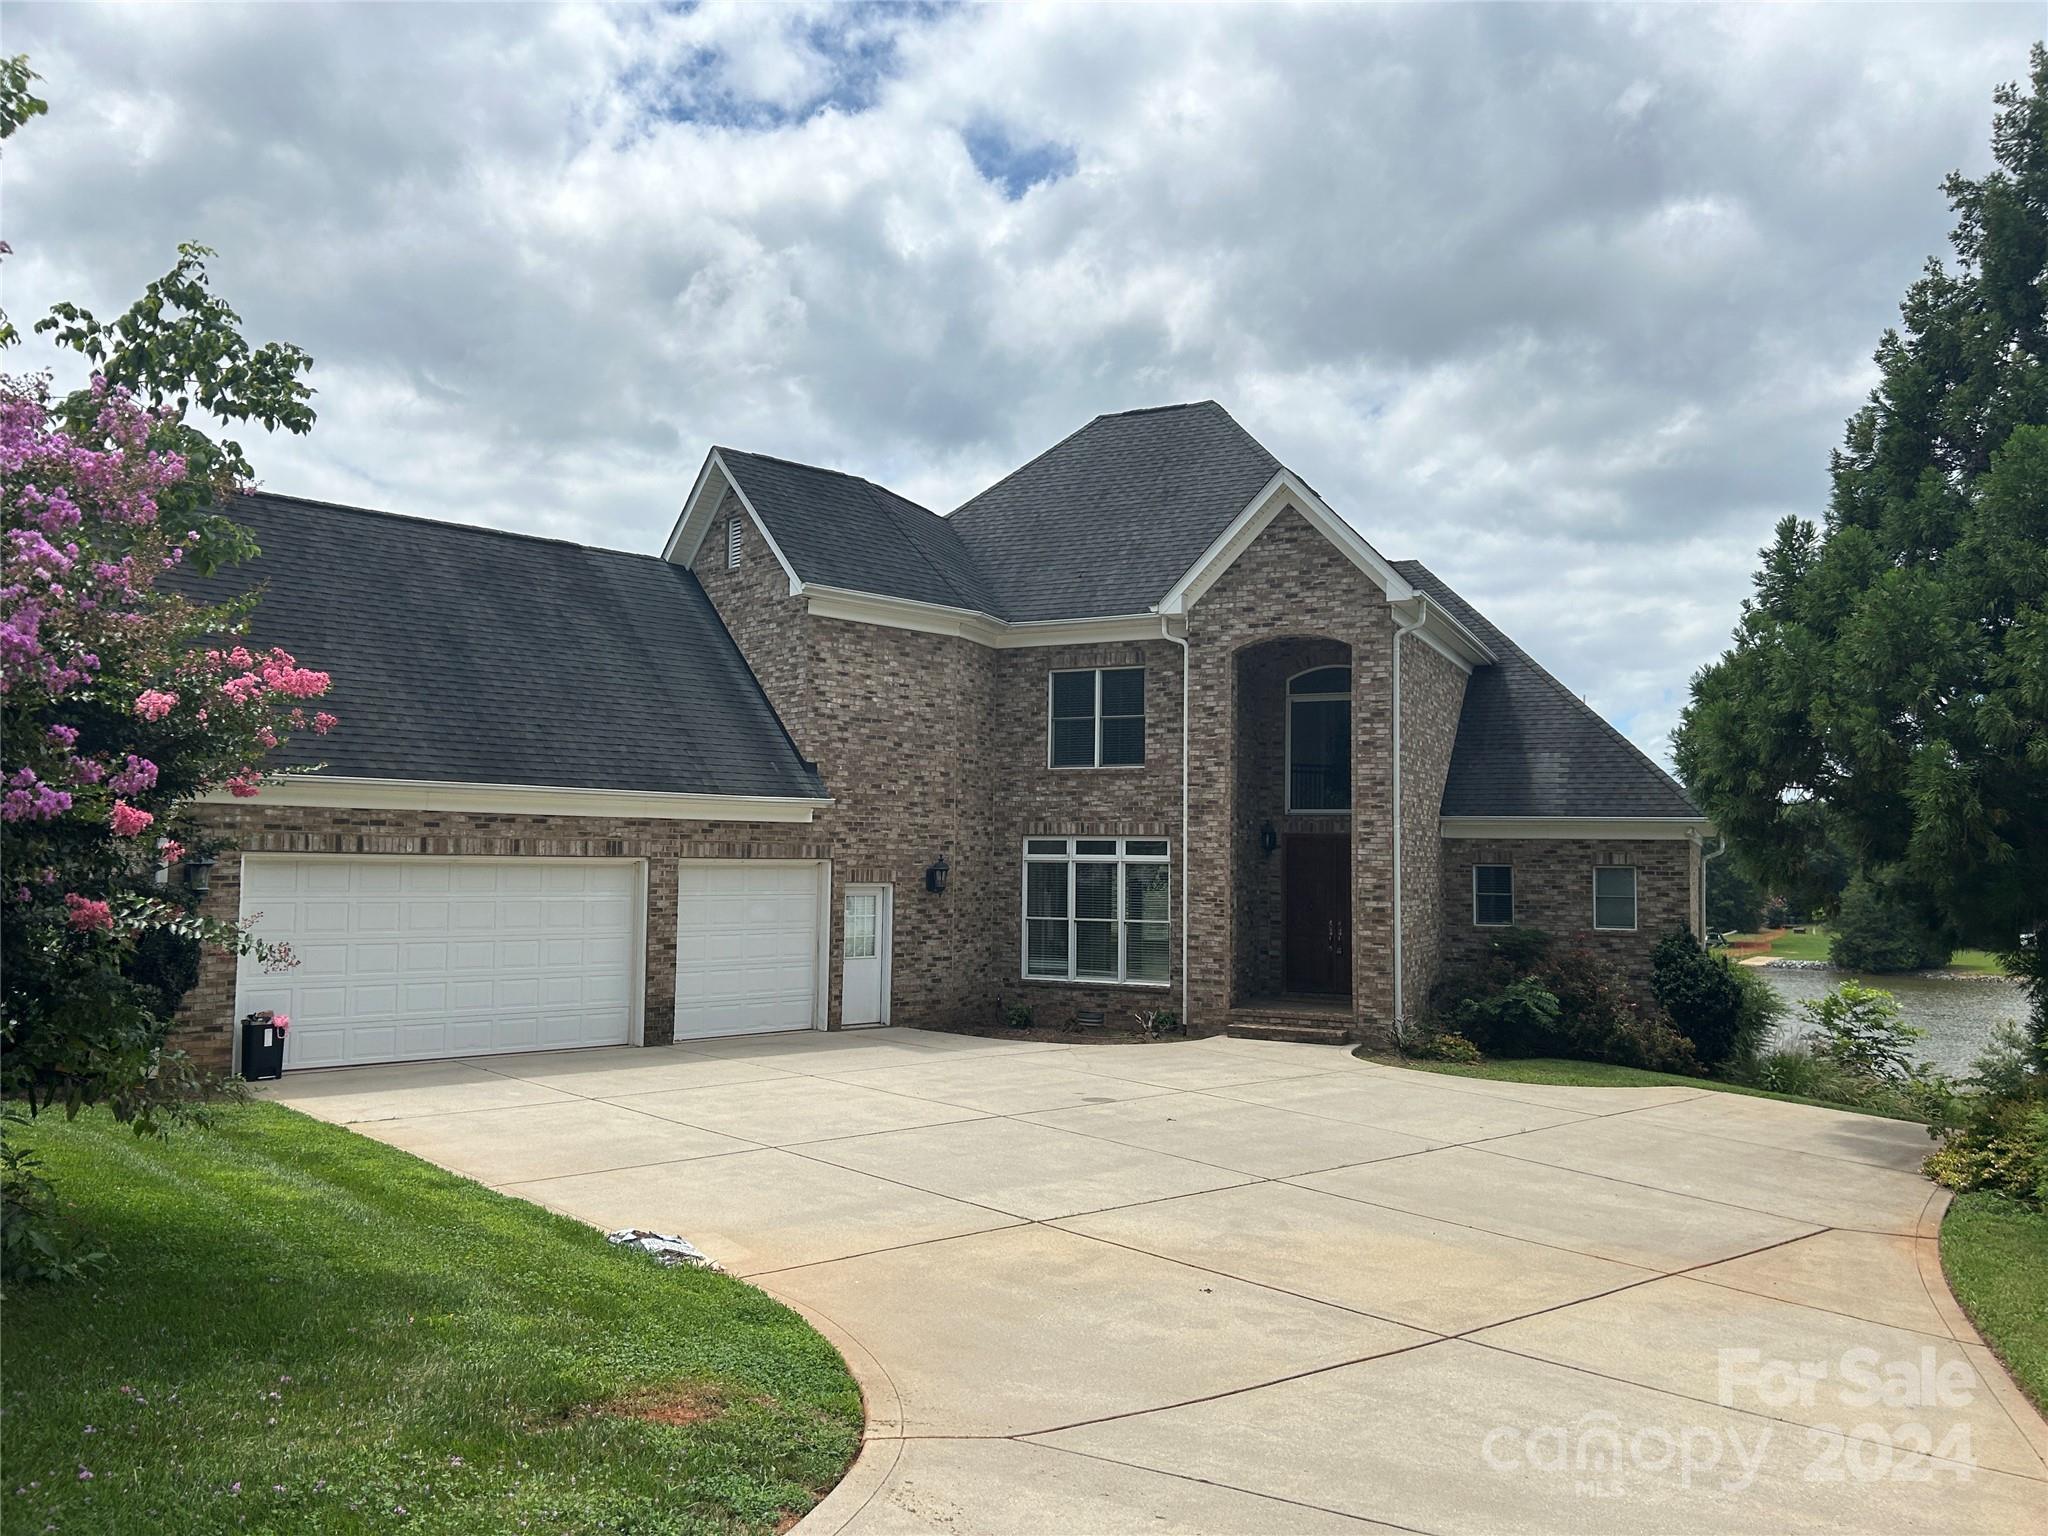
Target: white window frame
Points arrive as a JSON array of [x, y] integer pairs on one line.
[[733, 538], [1477, 921], [1121, 858], [1097, 764], [1635, 899], [1290, 698]]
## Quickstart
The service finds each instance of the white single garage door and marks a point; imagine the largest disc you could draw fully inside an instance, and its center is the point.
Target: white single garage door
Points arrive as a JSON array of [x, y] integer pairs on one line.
[[747, 939], [407, 959]]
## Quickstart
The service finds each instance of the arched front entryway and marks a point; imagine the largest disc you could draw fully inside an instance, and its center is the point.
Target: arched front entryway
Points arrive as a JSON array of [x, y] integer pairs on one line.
[[1292, 823]]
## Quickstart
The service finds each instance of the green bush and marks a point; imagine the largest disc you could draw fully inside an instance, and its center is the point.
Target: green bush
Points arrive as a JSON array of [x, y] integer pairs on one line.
[[1017, 1016], [1860, 1029], [1876, 930], [1702, 997], [1796, 1070], [1521, 1019], [1446, 1045], [1997, 1136], [1763, 1009]]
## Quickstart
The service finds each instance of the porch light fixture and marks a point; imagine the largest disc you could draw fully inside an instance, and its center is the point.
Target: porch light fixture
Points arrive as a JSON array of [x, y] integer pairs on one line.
[[1268, 839], [199, 872], [935, 876]]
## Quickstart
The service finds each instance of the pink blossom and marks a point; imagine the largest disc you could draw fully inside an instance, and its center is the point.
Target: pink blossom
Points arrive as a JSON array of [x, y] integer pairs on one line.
[[64, 735], [246, 784], [154, 703], [88, 915], [28, 798], [323, 722], [130, 821], [170, 850]]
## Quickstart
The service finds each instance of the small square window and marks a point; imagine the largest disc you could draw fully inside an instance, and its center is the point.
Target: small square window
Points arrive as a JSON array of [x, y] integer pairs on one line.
[[1614, 897], [1493, 895], [1097, 718]]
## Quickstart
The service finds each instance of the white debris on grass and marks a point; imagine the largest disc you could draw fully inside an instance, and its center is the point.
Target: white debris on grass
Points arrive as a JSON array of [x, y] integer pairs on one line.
[[668, 1249]]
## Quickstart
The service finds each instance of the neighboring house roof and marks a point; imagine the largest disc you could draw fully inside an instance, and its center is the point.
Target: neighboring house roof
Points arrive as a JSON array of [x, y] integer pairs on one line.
[[1528, 746], [1105, 521], [839, 530], [468, 655]]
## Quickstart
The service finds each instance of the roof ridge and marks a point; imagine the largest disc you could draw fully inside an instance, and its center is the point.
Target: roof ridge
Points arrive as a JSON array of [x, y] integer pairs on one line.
[[441, 522], [826, 469], [1013, 474], [1543, 672], [1154, 410]]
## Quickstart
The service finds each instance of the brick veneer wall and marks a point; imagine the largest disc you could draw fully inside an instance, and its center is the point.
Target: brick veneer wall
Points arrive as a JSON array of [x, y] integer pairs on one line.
[[1289, 584], [1554, 892], [205, 1020], [1432, 694], [767, 623]]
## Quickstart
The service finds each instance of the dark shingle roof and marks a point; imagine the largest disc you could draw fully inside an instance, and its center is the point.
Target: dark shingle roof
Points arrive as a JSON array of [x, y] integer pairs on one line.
[[1528, 746], [839, 530], [1107, 520], [466, 654]]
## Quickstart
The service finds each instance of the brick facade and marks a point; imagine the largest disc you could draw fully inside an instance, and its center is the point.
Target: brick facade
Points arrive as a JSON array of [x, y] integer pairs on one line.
[[205, 1019], [1553, 885], [934, 744]]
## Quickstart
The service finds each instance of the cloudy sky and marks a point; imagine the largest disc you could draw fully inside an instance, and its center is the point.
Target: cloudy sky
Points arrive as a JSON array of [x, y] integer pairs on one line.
[[1568, 302]]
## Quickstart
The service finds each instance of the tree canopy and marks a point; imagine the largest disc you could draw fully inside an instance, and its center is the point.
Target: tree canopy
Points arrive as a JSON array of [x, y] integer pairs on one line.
[[1892, 665]]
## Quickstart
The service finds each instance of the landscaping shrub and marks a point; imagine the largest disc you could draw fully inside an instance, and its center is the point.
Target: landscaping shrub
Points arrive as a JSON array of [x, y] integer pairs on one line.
[[1997, 1137], [1702, 997], [1521, 1019], [1017, 1016], [1445, 1045], [1861, 1030], [1763, 1010], [1876, 930]]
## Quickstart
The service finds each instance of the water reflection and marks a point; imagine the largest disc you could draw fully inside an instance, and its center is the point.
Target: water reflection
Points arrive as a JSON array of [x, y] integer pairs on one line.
[[1957, 1015]]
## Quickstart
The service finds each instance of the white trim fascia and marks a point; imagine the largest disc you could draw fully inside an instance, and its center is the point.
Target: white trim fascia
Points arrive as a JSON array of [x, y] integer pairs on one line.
[[1444, 634], [843, 603], [699, 499], [1283, 490], [1559, 828], [325, 790]]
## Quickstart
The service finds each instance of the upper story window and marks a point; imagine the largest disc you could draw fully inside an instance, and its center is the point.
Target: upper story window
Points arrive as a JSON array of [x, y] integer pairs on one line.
[[1098, 718], [732, 542], [1614, 896], [1319, 740], [1493, 895]]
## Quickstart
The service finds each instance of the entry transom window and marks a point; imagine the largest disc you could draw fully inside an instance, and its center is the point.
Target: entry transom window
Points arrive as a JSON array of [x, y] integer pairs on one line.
[[1614, 896], [1096, 909], [1493, 895], [1098, 718], [1319, 740]]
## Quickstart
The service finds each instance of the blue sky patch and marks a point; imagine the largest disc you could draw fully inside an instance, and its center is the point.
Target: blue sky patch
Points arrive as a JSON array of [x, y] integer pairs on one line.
[[1013, 165]]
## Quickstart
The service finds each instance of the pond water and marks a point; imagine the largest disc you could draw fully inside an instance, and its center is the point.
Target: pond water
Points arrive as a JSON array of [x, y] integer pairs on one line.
[[1957, 1015]]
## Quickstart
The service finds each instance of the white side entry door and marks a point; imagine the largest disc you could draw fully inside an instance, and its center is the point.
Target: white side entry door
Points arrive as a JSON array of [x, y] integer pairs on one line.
[[865, 958]]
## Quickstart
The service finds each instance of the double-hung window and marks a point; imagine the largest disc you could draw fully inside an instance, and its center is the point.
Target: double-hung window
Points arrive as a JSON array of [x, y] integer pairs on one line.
[[1614, 896], [1098, 718], [1096, 909], [1493, 895]]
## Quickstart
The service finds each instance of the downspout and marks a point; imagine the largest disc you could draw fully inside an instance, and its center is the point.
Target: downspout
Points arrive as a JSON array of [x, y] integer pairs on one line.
[[1401, 632], [1720, 847], [1186, 986]]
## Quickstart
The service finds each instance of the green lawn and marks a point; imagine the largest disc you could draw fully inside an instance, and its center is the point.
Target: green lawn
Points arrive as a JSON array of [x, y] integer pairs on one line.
[[1995, 1253], [308, 1331], [1597, 1074], [1813, 945]]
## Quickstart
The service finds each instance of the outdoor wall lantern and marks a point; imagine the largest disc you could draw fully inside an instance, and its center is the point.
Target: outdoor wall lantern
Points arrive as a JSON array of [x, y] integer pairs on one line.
[[199, 872], [935, 876], [1268, 839]]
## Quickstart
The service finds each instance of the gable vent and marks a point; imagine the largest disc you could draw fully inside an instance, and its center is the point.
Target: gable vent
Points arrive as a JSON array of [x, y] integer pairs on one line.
[[732, 542]]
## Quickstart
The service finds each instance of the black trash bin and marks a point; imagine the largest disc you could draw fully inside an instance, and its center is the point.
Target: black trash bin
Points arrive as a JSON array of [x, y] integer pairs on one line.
[[262, 1048]]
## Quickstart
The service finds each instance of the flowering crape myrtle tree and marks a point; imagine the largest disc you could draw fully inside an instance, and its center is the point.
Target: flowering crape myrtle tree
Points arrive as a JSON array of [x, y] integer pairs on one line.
[[120, 702]]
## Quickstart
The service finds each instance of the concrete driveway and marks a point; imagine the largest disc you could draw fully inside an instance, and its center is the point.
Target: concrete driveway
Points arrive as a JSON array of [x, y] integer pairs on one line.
[[1241, 1286]]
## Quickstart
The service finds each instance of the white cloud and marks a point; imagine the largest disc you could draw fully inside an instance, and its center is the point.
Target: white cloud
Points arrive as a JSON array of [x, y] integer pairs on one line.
[[1570, 303]]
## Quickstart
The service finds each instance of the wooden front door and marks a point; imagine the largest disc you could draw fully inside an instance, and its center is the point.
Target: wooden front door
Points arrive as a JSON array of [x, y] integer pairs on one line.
[[1316, 912]]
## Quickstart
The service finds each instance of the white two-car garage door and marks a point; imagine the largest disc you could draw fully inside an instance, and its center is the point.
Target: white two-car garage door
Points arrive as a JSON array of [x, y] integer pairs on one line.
[[747, 947], [408, 958]]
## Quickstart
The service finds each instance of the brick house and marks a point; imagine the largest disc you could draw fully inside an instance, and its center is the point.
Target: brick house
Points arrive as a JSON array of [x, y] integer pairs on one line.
[[1143, 726]]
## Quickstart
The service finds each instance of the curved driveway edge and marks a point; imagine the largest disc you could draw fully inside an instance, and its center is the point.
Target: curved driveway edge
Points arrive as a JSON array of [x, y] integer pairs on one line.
[[1241, 1286]]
